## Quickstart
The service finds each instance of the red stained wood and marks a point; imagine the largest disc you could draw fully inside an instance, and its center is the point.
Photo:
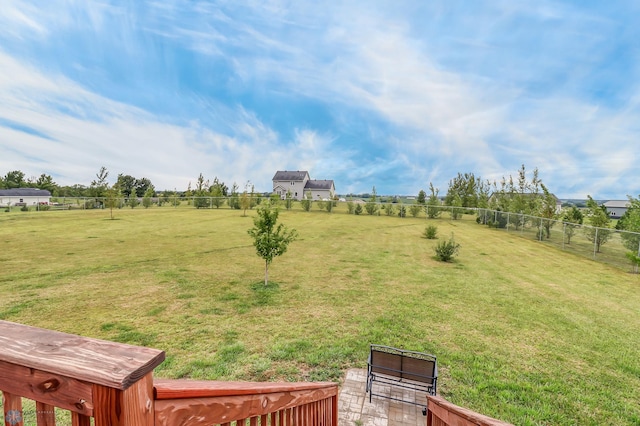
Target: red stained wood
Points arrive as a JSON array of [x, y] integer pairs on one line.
[[131, 407], [441, 412], [97, 361], [45, 414], [80, 420], [177, 389], [53, 389], [220, 409], [12, 404]]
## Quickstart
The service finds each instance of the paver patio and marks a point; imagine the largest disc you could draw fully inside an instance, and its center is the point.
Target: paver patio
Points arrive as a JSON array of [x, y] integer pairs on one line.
[[354, 408]]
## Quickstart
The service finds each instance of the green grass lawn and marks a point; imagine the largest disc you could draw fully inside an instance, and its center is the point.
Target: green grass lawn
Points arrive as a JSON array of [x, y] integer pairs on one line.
[[522, 330]]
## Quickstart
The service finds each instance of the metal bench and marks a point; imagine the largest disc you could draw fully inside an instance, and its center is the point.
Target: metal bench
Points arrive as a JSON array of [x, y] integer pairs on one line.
[[406, 369]]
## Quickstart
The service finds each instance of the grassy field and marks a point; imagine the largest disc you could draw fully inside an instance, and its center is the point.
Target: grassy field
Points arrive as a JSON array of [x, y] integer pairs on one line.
[[522, 331]]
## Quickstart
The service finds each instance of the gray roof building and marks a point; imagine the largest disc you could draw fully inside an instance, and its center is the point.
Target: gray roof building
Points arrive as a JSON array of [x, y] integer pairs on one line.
[[617, 208], [286, 175], [297, 184], [24, 192]]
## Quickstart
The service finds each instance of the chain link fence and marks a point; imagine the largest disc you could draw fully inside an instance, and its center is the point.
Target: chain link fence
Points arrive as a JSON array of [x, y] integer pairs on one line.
[[607, 245]]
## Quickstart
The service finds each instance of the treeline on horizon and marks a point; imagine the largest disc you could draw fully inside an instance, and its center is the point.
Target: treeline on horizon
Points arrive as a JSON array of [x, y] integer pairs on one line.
[[522, 195], [464, 190]]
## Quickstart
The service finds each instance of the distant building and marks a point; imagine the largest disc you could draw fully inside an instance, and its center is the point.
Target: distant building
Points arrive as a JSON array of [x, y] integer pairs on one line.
[[298, 183], [24, 197], [617, 208]]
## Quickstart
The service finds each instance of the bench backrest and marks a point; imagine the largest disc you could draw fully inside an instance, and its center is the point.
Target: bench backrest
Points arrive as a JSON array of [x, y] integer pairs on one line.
[[403, 364]]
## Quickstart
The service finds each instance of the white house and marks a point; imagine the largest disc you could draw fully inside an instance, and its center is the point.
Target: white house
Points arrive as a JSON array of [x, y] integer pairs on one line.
[[24, 197], [298, 183], [616, 208]]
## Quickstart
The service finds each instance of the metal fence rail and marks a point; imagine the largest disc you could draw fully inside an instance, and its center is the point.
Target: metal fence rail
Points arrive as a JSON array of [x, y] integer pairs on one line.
[[606, 245]]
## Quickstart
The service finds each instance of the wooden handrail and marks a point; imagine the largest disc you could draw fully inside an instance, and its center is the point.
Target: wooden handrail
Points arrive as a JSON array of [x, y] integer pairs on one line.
[[101, 362], [113, 383], [188, 402], [180, 389], [441, 412]]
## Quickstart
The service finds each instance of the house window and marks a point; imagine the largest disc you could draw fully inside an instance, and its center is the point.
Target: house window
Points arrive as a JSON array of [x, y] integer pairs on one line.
[[292, 183], [21, 200]]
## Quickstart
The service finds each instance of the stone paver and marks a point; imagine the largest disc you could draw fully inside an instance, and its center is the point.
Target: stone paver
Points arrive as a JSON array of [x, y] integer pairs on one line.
[[354, 408]]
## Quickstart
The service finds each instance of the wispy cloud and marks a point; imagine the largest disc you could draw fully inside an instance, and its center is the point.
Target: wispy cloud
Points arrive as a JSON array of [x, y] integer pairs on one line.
[[395, 95]]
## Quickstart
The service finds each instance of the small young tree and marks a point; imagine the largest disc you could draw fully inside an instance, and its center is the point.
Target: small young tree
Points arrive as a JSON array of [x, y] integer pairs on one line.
[[630, 222], [188, 194], [288, 200], [217, 192], [414, 209], [275, 200], [372, 206], [422, 197], [446, 250], [234, 198], [146, 200], [245, 202], [202, 188], [599, 220], [572, 218], [351, 206], [430, 232], [456, 206], [270, 240], [433, 203], [133, 200], [328, 206], [307, 201], [111, 198], [175, 199], [547, 210]]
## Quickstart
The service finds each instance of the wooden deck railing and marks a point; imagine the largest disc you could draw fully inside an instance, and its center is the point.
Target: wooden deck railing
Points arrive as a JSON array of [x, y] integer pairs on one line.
[[182, 402], [441, 412], [113, 384]]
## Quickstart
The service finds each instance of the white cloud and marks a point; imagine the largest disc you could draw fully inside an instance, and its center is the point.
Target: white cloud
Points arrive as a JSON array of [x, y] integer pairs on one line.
[[122, 138], [421, 90]]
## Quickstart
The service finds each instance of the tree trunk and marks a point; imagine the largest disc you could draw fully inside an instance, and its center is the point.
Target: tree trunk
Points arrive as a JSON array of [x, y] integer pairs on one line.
[[266, 273]]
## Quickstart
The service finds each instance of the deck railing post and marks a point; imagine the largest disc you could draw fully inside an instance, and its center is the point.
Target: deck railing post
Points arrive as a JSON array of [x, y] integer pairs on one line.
[[112, 382]]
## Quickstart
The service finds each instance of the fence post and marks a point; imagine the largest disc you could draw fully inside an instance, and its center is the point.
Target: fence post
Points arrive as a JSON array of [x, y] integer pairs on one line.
[[595, 244], [508, 220], [564, 229]]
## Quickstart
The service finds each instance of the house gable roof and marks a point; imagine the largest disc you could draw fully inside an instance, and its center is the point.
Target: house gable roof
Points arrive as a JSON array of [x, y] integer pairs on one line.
[[623, 204], [284, 175], [319, 184], [25, 192]]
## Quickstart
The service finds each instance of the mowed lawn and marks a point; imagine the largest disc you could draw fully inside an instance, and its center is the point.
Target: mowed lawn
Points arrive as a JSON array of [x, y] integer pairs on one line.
[[522, 331]]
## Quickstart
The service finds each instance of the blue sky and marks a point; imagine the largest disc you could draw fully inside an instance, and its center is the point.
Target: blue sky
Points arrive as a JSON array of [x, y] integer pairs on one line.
[[390, 94]]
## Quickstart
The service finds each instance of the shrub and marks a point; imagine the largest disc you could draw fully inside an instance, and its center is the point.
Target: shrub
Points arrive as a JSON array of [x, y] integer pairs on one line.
[[329, 205], [351, 207], [446, 250], [402, 211], [24, 209], [371, 207], [430, 232], [388, 209], [358, 209]]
